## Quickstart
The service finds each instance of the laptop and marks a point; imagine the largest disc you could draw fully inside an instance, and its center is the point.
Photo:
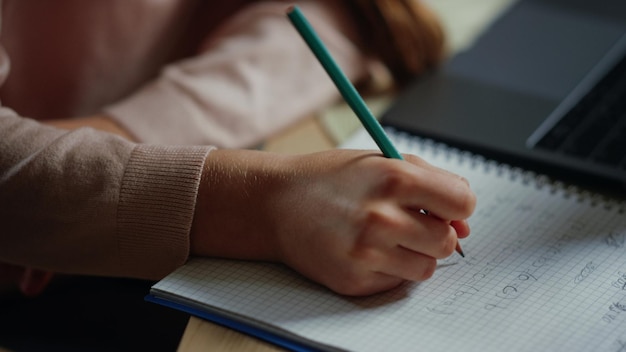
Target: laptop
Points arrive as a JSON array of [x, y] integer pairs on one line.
[[543, 88]]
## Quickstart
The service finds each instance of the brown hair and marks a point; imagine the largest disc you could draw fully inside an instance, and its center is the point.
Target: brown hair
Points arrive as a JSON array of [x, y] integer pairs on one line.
[[404, 35]]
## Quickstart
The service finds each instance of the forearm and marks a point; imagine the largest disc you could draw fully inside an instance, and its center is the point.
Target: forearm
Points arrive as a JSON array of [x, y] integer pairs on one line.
[[92, 203], [248, 81], [235, 214]]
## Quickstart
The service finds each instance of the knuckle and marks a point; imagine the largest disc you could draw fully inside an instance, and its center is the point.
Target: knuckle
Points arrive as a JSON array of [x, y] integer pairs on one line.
[[375, 220], [373, 216], [392, 179]]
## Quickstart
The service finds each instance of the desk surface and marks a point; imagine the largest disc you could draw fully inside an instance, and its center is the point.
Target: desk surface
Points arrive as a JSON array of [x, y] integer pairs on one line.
[[462, 20]]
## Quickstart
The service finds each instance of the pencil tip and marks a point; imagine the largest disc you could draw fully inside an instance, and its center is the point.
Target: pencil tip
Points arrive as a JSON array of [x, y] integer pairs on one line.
[[459, 250]]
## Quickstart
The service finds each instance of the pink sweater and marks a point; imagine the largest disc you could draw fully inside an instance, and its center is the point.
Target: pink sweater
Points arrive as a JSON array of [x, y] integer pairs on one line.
[[181, 76]]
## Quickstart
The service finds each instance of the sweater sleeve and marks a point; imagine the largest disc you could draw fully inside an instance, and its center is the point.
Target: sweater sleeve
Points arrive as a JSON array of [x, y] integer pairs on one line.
[[88, 202], [252, 78]]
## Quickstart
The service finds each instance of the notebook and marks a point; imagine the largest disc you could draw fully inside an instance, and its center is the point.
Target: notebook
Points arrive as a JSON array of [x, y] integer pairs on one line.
[[543, 87], [545, 270]]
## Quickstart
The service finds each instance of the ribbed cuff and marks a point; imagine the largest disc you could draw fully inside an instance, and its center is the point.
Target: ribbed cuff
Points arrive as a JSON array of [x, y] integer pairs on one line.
[[156, 208]]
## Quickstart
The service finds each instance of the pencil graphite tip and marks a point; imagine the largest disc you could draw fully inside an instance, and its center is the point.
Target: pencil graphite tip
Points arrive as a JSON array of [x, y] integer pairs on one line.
[[459, 250]]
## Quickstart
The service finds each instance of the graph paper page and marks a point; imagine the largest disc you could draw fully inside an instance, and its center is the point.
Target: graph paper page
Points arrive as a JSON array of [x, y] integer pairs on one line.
[[543, 271]]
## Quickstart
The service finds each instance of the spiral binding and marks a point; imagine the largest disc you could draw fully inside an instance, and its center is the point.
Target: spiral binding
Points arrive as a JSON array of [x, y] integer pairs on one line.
[[514, 173]]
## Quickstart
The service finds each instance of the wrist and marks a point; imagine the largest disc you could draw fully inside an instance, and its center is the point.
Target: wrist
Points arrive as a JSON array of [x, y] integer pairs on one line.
[[234, 215]]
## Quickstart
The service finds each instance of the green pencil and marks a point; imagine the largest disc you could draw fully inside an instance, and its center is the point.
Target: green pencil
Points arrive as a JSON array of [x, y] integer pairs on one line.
[[346, 88]]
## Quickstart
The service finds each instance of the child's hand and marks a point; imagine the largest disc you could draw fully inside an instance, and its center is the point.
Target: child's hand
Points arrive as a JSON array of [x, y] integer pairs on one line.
[[350, 220]]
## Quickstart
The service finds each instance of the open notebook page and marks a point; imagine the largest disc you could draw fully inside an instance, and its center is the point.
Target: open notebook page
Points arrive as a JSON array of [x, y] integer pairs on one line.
[[545, 270]]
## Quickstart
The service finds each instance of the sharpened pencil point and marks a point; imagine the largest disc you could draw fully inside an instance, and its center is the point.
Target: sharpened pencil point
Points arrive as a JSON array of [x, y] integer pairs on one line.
[[459, 250]]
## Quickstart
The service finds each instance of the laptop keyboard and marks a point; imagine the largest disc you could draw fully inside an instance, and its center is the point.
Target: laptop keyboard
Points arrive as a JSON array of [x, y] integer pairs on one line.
[[595, 129]]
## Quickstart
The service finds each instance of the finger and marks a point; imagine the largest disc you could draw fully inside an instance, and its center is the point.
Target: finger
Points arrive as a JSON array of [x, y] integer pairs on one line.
[[461, 227], [428, 235], [409, 265], [443, 193], [409, 180], [389, 226], [415, 160]]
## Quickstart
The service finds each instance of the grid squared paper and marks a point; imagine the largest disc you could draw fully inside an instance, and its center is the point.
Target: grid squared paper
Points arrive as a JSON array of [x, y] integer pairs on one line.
[[544, 271]]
